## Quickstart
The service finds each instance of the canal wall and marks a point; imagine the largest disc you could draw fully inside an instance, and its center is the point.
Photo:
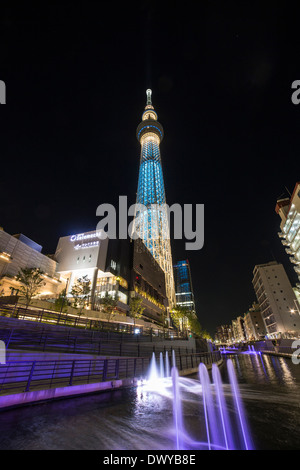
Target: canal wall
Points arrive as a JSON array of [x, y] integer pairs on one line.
[[39, 396], [35, 380], [282, 347], [194, 370]]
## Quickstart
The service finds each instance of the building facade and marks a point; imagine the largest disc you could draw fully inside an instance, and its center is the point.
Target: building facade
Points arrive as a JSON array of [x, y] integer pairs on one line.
[[151, 221], [289, 211], [20, 252], [240, 326], [148, 282], [235, 331], [254, 325], [223, 334], [276, 299], [183, 285], [122, 268]]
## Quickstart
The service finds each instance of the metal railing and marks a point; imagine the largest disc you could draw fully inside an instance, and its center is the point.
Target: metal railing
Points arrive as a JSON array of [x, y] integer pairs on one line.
[[38, 315], [23, 335], [27, 376], [56, 341]]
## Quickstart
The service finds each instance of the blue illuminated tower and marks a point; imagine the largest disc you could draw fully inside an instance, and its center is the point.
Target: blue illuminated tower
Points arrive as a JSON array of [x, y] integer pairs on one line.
[[151, 221]]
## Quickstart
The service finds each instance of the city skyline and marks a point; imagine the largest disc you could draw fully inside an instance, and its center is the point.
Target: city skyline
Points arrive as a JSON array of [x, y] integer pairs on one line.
[[149, 229], [227, 129]]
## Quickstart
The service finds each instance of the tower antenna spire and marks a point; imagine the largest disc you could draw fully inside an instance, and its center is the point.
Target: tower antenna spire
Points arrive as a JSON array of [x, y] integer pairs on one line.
[[149, 94]]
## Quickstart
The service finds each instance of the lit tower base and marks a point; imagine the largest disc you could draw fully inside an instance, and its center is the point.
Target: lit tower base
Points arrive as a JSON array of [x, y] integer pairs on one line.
[[151, 220]]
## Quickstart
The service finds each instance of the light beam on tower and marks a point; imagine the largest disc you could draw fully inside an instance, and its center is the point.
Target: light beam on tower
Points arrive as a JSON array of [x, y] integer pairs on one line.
[[151, 222]]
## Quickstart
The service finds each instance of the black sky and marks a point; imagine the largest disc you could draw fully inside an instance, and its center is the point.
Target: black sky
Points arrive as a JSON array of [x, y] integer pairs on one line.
[[221, 75]]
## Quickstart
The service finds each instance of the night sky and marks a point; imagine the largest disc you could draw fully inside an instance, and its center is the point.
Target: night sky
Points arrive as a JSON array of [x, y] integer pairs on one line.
[[221, 75]]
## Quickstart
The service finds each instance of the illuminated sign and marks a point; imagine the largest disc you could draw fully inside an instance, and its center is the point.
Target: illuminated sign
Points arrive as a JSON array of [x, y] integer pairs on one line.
[[85, 236], [86, 245]]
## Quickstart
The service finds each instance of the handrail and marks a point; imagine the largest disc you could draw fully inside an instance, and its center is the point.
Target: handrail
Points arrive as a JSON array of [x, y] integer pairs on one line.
[[67, 340], [31, 375], [80, 322]]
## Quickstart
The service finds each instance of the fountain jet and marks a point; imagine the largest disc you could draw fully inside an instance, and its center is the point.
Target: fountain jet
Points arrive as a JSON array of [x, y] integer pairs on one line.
[[238, 405]]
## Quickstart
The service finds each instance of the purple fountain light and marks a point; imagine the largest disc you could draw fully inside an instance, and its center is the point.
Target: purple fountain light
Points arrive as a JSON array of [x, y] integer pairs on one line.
[[224, 430], [167, 365], [239, 406], [177, 410], [161, 365], [223, 412], [214, 433]]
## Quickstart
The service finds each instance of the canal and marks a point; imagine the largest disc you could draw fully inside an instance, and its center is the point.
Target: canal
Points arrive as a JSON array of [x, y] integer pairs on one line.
[[137, 418]]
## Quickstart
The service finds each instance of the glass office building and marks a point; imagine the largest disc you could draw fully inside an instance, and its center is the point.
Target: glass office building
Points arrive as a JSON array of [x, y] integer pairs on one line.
[[183, 285]]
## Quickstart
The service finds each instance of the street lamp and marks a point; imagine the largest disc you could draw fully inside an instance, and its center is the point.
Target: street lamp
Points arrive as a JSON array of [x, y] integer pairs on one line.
[[297, 308]]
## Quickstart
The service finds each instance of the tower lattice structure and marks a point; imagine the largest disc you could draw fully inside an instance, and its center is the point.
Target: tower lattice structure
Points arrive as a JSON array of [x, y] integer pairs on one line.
[[151, 219]]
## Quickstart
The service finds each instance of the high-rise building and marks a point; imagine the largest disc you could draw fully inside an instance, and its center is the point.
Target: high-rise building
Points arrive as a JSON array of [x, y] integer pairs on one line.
[[20, 252], [183, 285], [289, 211], [254, 324], [235, 331], [151, 218], [240, 329], [276, 299], [223, 334]]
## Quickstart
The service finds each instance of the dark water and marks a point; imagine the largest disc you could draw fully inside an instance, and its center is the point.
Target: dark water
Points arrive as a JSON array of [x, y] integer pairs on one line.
[[138, 419]]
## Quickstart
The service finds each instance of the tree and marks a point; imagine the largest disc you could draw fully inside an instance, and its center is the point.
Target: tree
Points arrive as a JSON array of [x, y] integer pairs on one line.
[[179, 316], [135, 308], [31, 280], [61, 303], [108, 305], [194, 324], [80, 292], [206, 335]]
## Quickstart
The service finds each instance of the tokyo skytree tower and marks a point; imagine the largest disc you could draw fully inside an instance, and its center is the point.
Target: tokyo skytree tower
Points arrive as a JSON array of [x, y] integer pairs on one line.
[[151, 220]]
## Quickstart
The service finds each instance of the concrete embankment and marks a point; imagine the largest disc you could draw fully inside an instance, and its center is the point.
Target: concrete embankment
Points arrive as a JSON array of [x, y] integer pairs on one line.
[[194, 370], [38, 396], [47, 390]]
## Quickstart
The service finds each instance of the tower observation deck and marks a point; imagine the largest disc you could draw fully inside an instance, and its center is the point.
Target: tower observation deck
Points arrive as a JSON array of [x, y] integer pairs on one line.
[[151, 220]]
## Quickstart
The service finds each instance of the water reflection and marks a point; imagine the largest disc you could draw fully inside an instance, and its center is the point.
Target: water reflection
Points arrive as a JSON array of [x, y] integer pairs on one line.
[[139, 419]]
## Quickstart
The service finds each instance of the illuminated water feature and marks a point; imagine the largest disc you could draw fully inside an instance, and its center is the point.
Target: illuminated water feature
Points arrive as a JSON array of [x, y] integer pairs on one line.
[[222, 431], [140, 418]]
